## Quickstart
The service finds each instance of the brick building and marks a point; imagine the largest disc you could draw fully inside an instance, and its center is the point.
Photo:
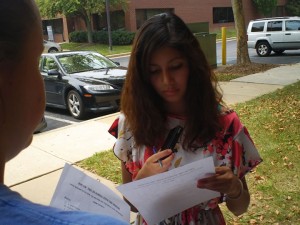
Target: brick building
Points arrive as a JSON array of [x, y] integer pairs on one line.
[[217, 13]]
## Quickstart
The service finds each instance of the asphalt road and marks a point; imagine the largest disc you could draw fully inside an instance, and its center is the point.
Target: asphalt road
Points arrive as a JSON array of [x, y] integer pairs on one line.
[[287, 57], [58, 118]]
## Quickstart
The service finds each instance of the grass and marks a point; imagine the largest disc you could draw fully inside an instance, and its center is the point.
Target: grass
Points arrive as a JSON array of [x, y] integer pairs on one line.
[[230, 33], [273, 121], [274, 124], [103, 49], [227, 77], [104, 164]]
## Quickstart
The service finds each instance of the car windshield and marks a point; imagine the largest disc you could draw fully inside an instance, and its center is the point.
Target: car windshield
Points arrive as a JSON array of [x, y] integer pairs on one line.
[[82, 62]]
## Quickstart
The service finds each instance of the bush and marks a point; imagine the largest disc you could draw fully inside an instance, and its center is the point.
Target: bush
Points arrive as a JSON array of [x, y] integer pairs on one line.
[[78, 36], [100, 37], [293, 7], [119, 37], [122, 37]]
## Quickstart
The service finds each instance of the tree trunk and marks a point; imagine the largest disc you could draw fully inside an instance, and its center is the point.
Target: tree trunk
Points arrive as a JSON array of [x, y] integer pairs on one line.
[[241, 35], [87, 20], [89, 33]]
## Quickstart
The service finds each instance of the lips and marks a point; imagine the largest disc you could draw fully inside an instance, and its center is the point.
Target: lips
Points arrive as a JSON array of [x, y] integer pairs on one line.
[[170, 92]]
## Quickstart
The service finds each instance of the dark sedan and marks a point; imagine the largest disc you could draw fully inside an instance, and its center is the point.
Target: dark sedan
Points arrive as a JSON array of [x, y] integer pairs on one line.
[[82, 82]]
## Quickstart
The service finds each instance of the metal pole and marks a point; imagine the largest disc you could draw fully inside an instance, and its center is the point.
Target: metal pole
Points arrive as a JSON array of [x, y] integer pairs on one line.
[[108, 24], [223, 45]]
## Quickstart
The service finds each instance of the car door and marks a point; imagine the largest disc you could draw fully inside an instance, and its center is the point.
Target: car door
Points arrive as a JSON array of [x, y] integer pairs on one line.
[[274, 33], [292, 34], [54, 84]]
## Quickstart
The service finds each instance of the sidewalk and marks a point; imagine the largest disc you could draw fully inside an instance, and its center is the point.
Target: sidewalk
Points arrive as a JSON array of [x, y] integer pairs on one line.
[[35, 172]]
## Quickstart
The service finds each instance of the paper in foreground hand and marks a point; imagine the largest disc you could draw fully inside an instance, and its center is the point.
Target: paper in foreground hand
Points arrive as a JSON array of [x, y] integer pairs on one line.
[[163, 195], [77, 191]]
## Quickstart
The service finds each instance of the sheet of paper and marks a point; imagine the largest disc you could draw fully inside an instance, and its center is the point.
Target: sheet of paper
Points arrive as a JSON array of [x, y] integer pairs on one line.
[[77, 191], [164, 195]]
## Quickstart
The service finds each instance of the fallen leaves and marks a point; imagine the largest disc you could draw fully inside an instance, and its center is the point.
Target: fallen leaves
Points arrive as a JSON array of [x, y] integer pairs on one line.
[[245, 69]]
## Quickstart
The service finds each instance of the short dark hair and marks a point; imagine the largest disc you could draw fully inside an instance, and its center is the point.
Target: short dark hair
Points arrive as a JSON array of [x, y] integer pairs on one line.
[[142, 106], [16, 19]]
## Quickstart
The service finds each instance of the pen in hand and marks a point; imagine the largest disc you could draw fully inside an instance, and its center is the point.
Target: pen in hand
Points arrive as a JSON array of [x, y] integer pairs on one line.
[[159, 161]]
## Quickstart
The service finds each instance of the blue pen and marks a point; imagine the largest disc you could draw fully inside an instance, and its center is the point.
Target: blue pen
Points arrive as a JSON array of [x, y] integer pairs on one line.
[[159, 161]]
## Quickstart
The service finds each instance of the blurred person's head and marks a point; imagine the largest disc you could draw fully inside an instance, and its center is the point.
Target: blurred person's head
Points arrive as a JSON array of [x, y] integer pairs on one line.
[[22, 96]]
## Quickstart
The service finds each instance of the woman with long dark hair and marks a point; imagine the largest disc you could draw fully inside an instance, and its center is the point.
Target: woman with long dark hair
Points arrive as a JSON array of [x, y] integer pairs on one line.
[[169, 83]]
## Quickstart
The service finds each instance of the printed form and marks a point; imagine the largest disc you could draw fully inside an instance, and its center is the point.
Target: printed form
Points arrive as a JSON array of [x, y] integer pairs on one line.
[[77, 191], [164, 195]]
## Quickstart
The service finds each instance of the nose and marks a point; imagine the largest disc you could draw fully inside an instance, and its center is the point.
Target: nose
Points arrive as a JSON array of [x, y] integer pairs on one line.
[[166, 77]]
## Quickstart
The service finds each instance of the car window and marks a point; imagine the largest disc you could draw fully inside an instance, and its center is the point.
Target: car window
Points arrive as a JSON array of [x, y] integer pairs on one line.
[[274, 26], [49, 64], [40, 63], [257, 27], [292, 25], [75, 63]]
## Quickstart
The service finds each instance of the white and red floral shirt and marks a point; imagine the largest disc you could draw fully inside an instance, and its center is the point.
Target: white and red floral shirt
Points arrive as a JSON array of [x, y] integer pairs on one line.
[[232, 147]]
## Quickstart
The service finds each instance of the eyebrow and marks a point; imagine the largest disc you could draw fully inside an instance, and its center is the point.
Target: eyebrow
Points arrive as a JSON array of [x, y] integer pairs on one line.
[[173, 59]]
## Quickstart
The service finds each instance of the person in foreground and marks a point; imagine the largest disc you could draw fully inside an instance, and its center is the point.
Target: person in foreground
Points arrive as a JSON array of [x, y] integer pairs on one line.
[[22, 104], [169, 83]]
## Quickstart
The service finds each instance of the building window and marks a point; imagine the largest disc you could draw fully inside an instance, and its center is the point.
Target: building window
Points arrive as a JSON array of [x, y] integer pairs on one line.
[[117, 20], [143, 14], [56, 24], [222, 15]]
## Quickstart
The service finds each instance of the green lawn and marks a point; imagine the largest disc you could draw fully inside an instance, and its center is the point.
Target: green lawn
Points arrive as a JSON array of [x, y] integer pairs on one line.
[[273, 121], [103, 49], [230, 33]]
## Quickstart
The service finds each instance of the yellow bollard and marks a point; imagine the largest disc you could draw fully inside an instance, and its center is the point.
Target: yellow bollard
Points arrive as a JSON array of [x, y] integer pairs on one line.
[[223, 45]]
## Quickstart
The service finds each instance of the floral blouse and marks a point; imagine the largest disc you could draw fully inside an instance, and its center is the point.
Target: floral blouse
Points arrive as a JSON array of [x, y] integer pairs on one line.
[[231, 147]]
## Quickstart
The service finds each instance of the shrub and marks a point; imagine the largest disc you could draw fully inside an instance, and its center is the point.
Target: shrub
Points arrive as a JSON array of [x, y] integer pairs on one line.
[[78, 36], [119, 37], [122, 37], [293, 7], [100, 37]]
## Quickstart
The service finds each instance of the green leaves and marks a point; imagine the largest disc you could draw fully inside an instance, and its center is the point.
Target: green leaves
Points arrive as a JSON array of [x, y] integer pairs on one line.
[[81, 8], [293, 7], [265, 6], [50, 8]]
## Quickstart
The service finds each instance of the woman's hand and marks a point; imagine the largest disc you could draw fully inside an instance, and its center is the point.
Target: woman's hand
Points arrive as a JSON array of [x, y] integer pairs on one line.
[[152, 165], [223, 181], [226, 182]]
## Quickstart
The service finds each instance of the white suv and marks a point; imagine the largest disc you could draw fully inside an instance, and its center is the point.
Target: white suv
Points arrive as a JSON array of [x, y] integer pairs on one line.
[[274, 34]]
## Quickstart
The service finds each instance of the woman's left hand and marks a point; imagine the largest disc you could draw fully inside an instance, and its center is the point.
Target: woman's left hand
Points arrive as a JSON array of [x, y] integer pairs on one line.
[[223, 181]]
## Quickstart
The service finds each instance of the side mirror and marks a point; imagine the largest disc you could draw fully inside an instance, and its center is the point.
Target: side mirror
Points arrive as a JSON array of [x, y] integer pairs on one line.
[[54, 72], [117, 63]]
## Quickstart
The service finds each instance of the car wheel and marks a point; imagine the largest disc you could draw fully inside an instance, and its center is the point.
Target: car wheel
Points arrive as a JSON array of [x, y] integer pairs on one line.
[[278, 51], [263, 49], [75, 105], [52, 50]]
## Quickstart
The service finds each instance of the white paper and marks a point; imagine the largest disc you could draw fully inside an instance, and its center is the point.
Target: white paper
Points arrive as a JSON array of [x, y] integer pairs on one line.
[[77, 191], [164, 195]]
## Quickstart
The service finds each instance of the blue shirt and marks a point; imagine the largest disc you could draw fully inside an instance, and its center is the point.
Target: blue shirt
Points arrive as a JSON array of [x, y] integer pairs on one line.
[[15, 210]]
